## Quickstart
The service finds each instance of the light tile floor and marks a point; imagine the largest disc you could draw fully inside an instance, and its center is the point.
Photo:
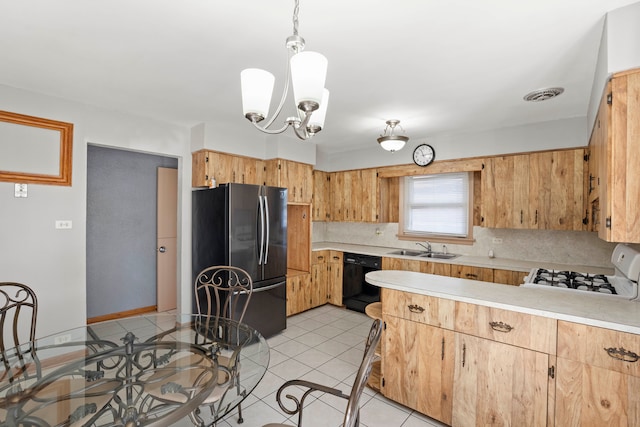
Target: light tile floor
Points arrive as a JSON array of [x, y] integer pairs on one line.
[[323, 345]]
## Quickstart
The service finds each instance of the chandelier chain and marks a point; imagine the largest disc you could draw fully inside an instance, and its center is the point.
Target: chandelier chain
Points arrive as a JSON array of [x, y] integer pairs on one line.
[[295, 17]]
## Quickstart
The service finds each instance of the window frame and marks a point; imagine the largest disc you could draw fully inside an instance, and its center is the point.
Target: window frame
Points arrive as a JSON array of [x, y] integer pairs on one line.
[[438, 238]]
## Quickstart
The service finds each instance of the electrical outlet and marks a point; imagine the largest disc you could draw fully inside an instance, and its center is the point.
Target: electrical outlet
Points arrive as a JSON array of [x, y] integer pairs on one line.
[[62, 339], [497, 241], [64, 224]]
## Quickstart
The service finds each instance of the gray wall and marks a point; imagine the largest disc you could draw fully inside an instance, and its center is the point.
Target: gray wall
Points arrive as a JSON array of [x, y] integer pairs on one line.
[[121, 229]]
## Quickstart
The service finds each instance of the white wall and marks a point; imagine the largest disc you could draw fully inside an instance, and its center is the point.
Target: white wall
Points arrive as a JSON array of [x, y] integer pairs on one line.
[[555, 134], [619, 51], [51, 261]]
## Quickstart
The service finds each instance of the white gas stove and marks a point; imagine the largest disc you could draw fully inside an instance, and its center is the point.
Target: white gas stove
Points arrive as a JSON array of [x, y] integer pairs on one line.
[[623, 284]]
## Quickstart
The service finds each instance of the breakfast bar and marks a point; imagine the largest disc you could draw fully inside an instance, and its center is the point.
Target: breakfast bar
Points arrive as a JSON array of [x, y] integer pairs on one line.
[[467, 352]]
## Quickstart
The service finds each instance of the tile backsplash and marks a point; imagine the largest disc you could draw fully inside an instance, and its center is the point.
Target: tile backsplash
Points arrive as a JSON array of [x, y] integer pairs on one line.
[[565, 247]]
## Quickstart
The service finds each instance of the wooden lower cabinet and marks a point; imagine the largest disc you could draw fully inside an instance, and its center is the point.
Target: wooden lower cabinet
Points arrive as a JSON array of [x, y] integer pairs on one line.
[[418, 367], [597, 377], [298, 292], [335, 268], [326, 277], [497, 384]]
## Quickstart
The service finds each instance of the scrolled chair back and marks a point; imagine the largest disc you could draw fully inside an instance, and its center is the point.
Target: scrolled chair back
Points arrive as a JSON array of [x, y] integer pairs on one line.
[[221, 292], [18, 314]]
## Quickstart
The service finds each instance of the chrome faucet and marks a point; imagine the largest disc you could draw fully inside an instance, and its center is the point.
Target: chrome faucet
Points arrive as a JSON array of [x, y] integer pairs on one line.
[[426, 245]]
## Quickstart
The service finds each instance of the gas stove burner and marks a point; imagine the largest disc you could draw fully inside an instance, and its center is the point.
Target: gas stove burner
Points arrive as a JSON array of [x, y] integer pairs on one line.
[[623, 284], [574, 280]]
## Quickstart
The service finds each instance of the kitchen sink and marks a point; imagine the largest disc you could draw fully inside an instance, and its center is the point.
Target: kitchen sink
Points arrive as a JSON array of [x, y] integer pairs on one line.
[[424, 254], [407, 252], [439, 255]]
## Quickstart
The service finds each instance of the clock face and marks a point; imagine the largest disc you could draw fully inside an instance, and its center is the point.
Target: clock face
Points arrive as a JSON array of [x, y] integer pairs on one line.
[[423, 155]]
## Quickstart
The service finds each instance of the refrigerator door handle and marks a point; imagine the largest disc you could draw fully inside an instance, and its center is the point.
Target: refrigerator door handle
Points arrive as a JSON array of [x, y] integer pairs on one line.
[[267, 226], [261, 254]]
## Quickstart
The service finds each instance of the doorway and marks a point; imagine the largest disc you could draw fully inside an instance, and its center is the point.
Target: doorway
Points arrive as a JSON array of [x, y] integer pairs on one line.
[[122, 231]]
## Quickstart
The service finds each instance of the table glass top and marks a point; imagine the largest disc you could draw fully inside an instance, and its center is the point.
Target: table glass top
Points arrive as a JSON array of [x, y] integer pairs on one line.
[[147, 370]]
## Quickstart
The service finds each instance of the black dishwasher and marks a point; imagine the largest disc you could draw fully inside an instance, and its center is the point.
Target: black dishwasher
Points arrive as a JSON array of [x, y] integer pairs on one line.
[[356, 293]]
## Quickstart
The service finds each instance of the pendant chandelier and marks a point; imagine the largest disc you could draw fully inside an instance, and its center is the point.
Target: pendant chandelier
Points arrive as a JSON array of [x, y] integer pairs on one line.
[[391, 141], [308, 71]]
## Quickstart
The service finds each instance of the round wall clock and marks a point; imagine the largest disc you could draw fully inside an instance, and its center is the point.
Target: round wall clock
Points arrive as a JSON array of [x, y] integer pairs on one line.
[[423, 155]]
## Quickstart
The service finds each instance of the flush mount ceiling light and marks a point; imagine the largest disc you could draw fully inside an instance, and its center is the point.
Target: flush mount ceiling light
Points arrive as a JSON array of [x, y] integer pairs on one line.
[[308, 71], [543, 94], [391, 141]]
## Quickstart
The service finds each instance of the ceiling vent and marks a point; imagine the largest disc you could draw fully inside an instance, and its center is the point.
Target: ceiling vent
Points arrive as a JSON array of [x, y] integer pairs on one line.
[[543, 94]]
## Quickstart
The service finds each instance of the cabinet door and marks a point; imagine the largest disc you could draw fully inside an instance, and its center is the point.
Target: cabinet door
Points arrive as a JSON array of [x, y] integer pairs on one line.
[[298, 293], [622, 213], [335, 267], [472, 273], [417, 367], [508, 277], [337, 196], [369, 191], [497, 192], [389, 263], [335, 283], [321, 196], [200, 173], [319, 288], [588, 396], [439, 268], [498, 384]]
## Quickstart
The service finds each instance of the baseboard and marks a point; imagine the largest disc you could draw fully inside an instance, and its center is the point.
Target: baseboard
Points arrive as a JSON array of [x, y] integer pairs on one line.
[[122, 314]]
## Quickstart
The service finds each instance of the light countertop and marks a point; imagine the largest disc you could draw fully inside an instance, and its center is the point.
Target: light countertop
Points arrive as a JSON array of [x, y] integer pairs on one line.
[[605, 312], [474, 261]]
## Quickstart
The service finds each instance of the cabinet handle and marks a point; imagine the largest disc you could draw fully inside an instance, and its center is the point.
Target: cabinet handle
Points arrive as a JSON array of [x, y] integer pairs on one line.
[[501, 327], [464, 354], [415, 308], [622, 354], [471, 276], [442, 353], [320, 257], [536, 216]]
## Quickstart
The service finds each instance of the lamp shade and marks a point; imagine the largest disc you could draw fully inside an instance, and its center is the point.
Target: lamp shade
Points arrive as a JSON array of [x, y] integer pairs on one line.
[[317, 118], [257, 87], [308, 73], [392, 142]]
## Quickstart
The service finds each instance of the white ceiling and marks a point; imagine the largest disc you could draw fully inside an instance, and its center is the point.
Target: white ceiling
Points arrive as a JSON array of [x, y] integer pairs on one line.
[[438, 66]]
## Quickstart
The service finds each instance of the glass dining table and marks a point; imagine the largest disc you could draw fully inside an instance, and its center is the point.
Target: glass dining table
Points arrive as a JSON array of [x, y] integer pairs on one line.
[[139, 371]]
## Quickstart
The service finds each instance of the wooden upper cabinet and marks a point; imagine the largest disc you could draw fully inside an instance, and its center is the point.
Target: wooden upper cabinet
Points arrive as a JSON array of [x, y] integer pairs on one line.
[[295, 176], [354, 196], [619, 165], [225, 168], [321, 199], [543, 190]]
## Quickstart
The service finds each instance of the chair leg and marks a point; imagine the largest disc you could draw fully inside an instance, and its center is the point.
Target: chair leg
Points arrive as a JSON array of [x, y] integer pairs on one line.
[[240, 419]]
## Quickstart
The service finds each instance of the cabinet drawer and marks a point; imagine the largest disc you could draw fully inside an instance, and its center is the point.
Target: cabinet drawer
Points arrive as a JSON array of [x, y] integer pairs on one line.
[[604, 348], [335, 256], [418, 308], [320, 257], [509, 327]]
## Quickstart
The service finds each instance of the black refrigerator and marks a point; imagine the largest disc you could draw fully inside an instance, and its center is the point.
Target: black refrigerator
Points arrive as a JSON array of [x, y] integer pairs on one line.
[[245, 226]]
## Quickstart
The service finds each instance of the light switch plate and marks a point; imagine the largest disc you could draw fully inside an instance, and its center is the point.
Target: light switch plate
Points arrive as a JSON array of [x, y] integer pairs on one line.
[[21, 190]]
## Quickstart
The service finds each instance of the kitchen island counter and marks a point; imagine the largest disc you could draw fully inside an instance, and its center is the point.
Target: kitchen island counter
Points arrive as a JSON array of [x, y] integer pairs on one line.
[[588, 309]]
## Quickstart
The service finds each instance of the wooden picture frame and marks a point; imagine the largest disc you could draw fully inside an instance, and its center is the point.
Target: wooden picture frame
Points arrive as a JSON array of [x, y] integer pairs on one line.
[[62, 132]]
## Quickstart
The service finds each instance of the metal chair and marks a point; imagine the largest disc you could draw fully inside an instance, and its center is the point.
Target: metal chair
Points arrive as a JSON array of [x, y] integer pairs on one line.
[[222, 292], [352, 413], [18, 316]]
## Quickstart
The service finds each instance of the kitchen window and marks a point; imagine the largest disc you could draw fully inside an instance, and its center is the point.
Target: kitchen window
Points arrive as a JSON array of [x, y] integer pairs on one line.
[[436, 207]]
